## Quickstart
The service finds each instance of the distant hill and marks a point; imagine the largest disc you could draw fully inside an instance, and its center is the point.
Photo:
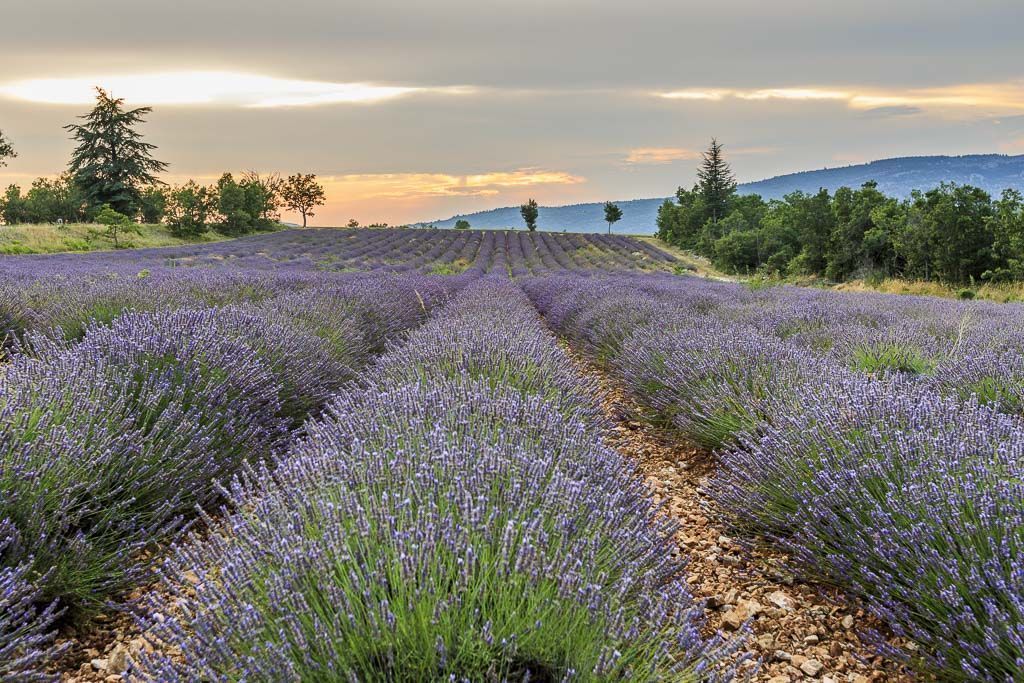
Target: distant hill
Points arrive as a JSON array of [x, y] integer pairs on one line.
[[896, 177]]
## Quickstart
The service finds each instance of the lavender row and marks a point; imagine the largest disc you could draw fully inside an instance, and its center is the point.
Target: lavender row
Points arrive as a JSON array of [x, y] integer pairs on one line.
[[365, 249], [877, 439], [456, 519], [109, 442]]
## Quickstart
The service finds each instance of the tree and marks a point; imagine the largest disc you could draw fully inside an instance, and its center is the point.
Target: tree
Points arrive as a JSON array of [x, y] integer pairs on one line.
[[1007, 225], [6, 150], [58, 199], [353, 223], [117, 224], [153, 204], [852, 210], [302, 193], [530, 212], [13, 207], [189, 208], [612, 214], [111, 162], [263, 197], [233, 206], [716, 182], [462, 224], [959, 218]]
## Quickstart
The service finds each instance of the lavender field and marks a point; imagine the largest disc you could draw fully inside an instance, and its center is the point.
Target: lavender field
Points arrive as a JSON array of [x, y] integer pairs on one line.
[[385, 455]]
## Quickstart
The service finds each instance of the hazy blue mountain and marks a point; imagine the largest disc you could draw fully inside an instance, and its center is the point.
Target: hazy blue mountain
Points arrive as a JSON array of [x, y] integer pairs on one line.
[[896, 177]]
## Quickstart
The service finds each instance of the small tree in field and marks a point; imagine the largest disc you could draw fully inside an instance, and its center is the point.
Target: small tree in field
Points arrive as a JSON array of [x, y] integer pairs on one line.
[[302, 193], [6, 150], [530, 212], [612, 214], [117, 225], [462, 224]]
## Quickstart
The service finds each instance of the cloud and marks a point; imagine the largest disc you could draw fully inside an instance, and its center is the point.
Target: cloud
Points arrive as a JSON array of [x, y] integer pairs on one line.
[[792, 94], [659, 155], [1012, 146], [892, 111], [224, 88], [666, 155], [690, 94], [1008, 96], [414, 186]]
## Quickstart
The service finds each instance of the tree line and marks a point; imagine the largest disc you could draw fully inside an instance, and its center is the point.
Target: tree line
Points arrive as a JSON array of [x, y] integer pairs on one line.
[[952, 233], [112, 180]]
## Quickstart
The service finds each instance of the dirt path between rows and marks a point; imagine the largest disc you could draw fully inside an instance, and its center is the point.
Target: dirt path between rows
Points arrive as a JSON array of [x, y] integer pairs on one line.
[[801, 632]]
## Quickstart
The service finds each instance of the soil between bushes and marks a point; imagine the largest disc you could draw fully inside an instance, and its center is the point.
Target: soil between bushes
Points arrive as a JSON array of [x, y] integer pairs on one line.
[[800, 631]]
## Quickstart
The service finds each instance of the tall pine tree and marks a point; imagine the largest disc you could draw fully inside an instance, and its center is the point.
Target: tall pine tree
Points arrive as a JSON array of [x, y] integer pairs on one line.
[[111, 162], [716, 182]]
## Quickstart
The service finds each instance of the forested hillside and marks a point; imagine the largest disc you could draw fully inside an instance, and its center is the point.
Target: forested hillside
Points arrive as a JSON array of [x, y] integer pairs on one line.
[[896, 177]]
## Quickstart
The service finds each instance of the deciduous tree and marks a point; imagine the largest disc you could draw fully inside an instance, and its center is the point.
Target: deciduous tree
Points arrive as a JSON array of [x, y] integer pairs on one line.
[[189, 208], [302, 193], [117, 225], [530, 212], [6, 150], [612, 214]]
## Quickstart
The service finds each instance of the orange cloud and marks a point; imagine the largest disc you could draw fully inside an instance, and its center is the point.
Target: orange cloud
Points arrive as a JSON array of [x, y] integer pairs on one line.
[[1007, 96], [659, 155], [410, 186], [666, 155]]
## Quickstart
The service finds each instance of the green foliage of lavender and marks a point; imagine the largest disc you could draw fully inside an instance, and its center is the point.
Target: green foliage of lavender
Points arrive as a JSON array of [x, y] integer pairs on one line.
[[109, 441], [457, 521], [877, 439], [26, 631]]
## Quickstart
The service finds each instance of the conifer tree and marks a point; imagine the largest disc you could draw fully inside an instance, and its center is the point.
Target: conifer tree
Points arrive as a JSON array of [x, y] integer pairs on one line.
[[111, 163], [716, 182]]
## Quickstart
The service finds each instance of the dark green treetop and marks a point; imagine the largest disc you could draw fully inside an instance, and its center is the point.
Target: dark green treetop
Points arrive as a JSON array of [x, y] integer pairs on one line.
[[6, 150], [716, 182], [530, 212], [612, 214], [111, 162]]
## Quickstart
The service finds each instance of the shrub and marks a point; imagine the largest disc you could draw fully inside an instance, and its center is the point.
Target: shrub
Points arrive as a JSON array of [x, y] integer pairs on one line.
[[449, 522], [910, 501], [106, 444], [710, 381], [26, 638]]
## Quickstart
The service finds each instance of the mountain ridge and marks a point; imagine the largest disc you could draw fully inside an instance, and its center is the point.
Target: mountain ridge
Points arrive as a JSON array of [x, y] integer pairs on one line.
[[896, 176]]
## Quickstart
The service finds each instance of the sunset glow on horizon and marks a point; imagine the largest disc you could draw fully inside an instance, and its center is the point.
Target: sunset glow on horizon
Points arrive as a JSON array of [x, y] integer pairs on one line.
[[442, 108]]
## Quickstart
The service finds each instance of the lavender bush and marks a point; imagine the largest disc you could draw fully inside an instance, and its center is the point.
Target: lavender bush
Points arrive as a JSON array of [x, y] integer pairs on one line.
[[446, 523], [854, 436], [911, 501], [106, 444], [26, 638]]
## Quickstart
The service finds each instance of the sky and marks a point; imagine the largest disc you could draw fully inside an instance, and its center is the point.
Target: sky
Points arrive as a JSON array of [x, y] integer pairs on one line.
[[410, 111]]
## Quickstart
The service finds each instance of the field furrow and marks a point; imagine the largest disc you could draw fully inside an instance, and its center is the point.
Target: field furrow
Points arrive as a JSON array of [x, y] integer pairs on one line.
[[799, 629]]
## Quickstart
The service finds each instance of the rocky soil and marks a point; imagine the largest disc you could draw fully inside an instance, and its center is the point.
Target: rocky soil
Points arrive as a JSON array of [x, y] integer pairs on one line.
[[801, 631]]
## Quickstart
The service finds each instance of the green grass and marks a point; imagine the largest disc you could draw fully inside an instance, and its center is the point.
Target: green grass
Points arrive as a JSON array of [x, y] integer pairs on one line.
[[455, 268], [54, 239], [689, 263]]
